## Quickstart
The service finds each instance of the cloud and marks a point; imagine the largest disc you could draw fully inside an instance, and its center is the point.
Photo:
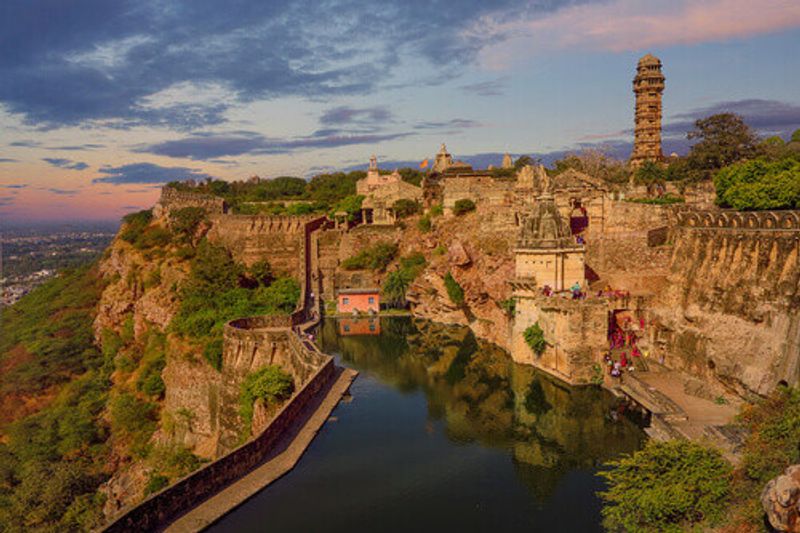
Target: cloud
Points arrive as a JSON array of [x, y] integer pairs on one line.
[[207, 147], [14, 186], [6, 200], [7, 160], [453, 124], [76, 148], [350, 115], [632, 25], [147, 173], [25, 144], [183, 64], [63, 192], [66, 163], [765, 116], [486, 88]]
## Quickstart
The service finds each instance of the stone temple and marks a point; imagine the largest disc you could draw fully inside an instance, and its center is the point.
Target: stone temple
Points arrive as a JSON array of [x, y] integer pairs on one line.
[[648, 85]]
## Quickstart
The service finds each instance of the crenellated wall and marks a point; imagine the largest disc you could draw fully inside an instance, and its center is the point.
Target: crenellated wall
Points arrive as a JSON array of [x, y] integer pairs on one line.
[[731, 308], [172, 199]]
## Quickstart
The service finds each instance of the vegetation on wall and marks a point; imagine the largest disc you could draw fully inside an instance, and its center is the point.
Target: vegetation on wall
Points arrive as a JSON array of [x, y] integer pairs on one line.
[[376, 257], [463, 206], [534, 337], [270, 384], [667, 486], [216, 292]]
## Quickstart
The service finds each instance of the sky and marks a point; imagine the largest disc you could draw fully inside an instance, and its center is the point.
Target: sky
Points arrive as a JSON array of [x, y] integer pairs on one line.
[[103, 101]]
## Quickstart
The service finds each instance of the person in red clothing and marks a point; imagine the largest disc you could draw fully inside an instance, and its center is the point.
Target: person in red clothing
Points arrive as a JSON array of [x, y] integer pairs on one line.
[[623, 360]]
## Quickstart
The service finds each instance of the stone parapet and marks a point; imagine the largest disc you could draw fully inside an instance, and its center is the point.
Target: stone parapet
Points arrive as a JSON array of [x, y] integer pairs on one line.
[[739, 220], [172, 199]]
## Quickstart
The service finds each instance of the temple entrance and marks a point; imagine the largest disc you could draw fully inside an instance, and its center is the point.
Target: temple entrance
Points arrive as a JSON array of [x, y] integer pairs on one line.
[[578, 217]]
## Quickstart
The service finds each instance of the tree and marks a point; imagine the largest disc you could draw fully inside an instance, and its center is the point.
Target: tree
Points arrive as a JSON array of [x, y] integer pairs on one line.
[[522, 161], [395, 287], [405, 207], [760, 184], [722, 140], [795, 136], [261, 272], [667, 486], [650, 173]]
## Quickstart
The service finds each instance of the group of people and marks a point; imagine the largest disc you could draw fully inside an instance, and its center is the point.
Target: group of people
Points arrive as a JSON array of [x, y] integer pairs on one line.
[[623, 337], [576, 291]]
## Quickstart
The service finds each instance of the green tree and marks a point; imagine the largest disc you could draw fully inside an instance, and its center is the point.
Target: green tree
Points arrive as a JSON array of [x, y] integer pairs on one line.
[[722, 139], [350, 205], [185, 221], [405, 207], [523, 161], [411, 175], [650, 173], [667, 486], [395, 287], [795, 136], [759, 184], [261, 273]]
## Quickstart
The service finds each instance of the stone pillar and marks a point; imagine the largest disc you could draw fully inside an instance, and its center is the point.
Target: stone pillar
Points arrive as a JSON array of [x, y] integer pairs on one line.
[[648, 86]]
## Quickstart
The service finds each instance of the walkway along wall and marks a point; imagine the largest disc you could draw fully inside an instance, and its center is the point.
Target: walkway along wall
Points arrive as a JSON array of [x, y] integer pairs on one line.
[[250, 343]]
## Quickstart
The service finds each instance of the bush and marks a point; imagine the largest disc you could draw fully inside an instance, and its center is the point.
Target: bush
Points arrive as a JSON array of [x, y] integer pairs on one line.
[[405, 208], [667, 199], [270, 384], [185, 221], [437, 210], [534, 337], [376, 257], [424, 224], [350, 205], [454, 291], [155, 483], [135, 224], [463, 206], [667, 486]]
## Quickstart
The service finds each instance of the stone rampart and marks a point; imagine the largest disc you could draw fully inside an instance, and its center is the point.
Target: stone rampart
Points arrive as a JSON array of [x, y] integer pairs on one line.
[[479, 189], [279, 240], [172, 199], [164, 506], [731, 309]]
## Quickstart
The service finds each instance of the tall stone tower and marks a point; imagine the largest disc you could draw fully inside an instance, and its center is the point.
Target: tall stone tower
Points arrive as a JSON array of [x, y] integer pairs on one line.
[[648, 85]]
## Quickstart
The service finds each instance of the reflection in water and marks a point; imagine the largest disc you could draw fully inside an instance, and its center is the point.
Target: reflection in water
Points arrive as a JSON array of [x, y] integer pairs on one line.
[[444, 433], [483, 396]]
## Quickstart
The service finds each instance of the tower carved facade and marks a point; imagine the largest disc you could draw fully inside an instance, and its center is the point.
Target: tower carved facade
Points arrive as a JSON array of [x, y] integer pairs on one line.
[[648, 86]]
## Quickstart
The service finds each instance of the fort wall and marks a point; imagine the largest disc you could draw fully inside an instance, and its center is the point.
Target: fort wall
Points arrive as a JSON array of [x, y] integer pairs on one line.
[[479, 189], [731, 310], [172, 199]]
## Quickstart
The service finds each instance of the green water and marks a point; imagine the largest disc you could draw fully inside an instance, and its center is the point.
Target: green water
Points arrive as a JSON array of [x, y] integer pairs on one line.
[[445, 433]]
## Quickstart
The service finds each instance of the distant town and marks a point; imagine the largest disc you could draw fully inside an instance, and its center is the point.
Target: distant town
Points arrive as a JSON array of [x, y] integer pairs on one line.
[[29, 257]]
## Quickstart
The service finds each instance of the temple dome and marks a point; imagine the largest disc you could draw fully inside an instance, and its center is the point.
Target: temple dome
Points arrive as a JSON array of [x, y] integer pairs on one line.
[[544, 227]]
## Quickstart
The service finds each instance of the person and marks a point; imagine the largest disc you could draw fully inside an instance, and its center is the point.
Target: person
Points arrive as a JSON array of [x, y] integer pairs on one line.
[[623, 360], [616, 371]]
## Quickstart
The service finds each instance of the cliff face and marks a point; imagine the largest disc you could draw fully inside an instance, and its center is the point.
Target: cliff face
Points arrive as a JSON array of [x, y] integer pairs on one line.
[[731, 310], [480, 258]]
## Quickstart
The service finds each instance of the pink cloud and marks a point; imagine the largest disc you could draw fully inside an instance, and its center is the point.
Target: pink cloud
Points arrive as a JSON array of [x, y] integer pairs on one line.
[[630, 25]]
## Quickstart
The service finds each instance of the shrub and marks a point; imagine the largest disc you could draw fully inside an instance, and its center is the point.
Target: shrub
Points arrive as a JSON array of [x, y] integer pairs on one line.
[[376, 257], [667, 486], [454, 291], [350, 205], [185, 221], [463, 206], [437, 210], [152, 237], [270, 384], [405, 208], [261, 273], [534, 337], [424, 224], [509, 306], [667, 199], [155, 483], [135, 224]]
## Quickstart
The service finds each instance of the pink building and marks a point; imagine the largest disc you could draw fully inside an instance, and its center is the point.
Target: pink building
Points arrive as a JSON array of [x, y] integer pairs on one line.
[[360, 300]]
